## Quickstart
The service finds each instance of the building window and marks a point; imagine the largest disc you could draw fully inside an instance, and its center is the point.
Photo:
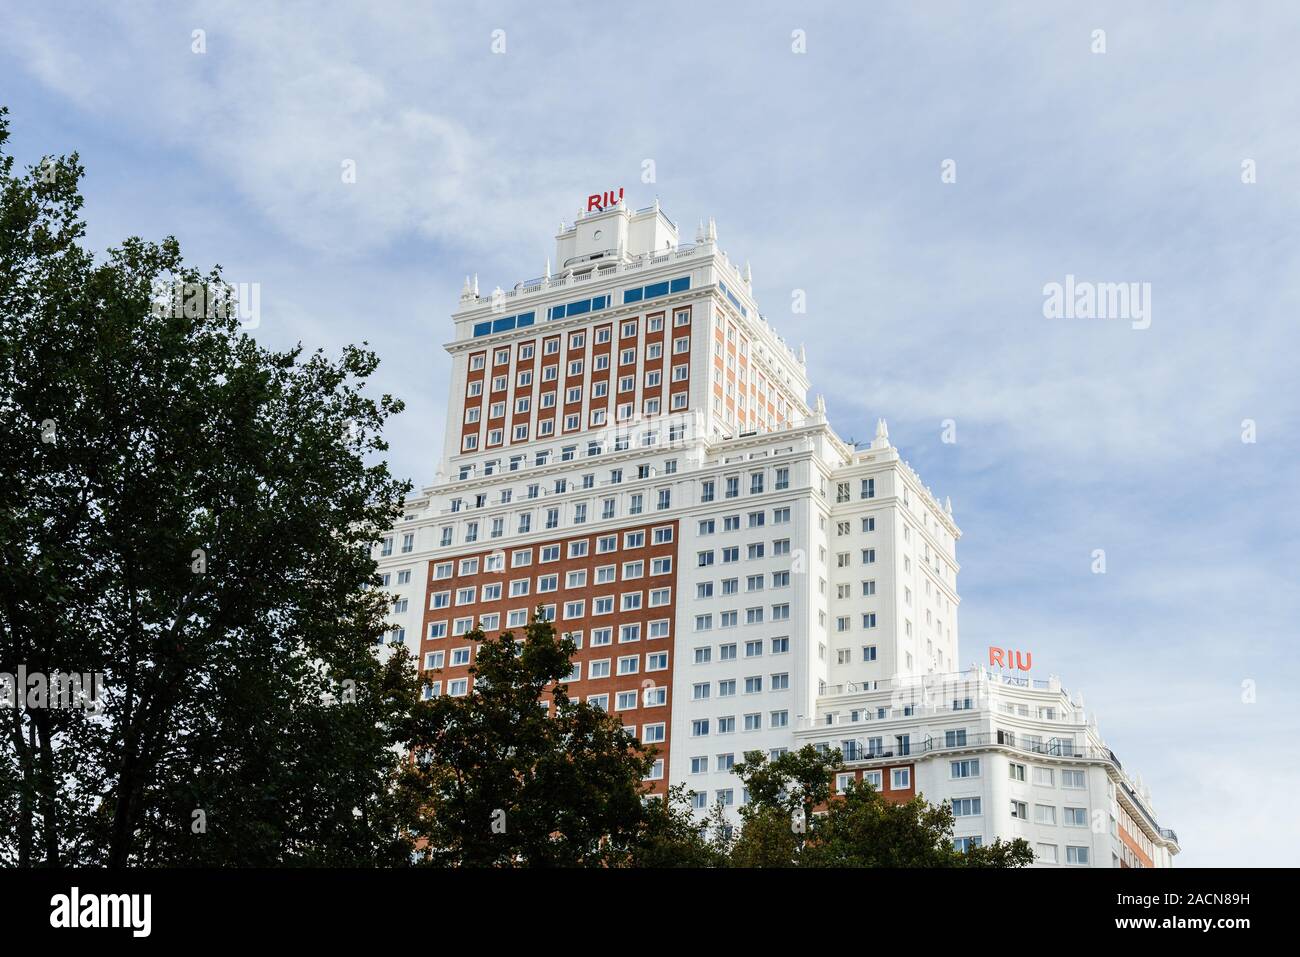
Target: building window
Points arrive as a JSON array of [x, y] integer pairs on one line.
[[966, 807]]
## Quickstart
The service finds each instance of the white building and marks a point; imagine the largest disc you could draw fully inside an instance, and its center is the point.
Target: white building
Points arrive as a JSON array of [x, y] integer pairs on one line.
[[629, 445]]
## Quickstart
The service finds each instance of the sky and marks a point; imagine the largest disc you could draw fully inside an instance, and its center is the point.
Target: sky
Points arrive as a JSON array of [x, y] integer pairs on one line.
[[823, 139]]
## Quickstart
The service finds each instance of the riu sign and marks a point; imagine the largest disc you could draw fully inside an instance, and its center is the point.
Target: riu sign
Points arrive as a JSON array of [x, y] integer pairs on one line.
[[599, 201], [1011, 660]]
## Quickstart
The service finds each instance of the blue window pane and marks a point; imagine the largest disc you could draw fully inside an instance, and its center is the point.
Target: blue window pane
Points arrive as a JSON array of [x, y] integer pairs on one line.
[[599, 302], [524, 319], [500, 325], [631, 295], [677, 285], [656, 289], [578, 308], [482, 328], [557, 312]]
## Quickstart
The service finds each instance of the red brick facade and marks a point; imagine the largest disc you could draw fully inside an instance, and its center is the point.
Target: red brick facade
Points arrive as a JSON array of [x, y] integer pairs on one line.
[[637, 580]]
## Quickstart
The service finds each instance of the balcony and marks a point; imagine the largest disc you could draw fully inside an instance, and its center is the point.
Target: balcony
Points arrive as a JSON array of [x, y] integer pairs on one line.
[[931, 745], [958, 678]]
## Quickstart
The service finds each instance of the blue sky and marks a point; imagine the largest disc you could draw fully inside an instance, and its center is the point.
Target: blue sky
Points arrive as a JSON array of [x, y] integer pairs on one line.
[[823, 170]]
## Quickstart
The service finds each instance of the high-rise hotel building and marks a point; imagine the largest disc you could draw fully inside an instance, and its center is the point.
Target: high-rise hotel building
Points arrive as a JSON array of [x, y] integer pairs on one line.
[[630, 445]]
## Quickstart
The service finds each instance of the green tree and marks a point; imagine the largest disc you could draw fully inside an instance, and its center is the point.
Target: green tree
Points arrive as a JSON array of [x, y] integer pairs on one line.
[[767, 838], [861, 829], [504, 781], [783, 793], [673, 837], [793, 819], [191, 517]]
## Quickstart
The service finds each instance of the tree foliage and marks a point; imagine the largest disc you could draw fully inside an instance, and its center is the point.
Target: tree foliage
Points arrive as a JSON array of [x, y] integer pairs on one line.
[[793, 820], [191, 517], [506, 782]]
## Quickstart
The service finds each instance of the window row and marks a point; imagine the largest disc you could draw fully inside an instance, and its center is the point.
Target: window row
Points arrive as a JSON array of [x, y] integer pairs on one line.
[[753, 583], [600, 605], [526, 378], [731, 523], [580, 514], [900, 779], [730, 554], [731, 484], [644, 434], [573, 394], [577, 548], [518, 618], [625, 665], [726, 724], [1047, 814], [753, 649], [1072, 778], [728, 687]]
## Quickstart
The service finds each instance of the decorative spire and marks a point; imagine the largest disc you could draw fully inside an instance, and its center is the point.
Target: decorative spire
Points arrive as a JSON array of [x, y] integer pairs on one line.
[[475, 287], [699, 232], [547, 274], [749, 276], [464, 290], [712, 233], [947, 504], [803, 355], [881, 441], [821, 404]]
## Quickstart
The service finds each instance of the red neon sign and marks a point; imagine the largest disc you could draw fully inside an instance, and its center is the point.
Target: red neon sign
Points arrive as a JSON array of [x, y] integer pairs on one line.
[[1002, 658], [599, 201]]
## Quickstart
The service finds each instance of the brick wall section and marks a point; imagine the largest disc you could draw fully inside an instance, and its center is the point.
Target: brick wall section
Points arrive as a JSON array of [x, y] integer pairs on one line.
[[639, 681]]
